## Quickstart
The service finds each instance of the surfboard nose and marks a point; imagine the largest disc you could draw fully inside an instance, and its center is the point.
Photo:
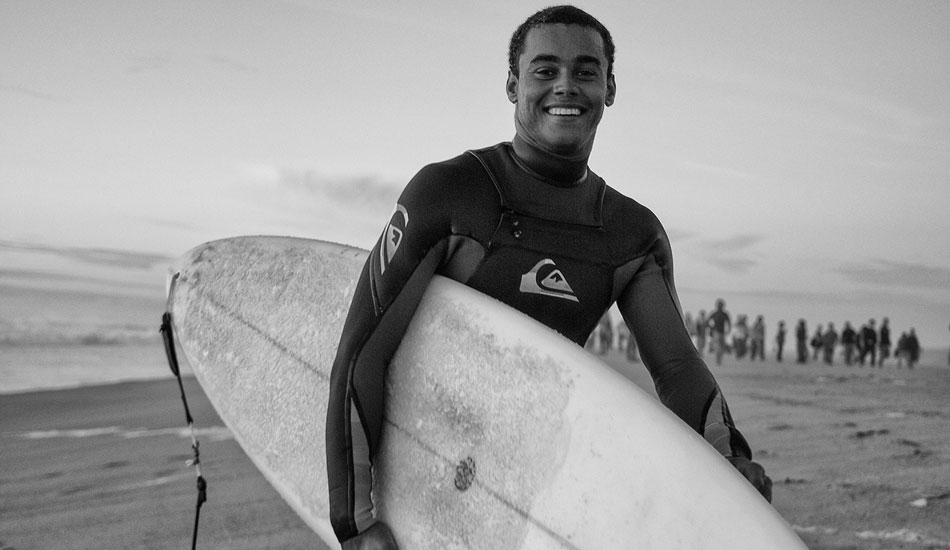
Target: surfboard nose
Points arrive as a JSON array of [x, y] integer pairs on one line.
[[170, 277], [175, 270], [182, 265]]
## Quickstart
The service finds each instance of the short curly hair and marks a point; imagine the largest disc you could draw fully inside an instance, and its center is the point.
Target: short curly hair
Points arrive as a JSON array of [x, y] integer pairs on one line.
[[564, 15]]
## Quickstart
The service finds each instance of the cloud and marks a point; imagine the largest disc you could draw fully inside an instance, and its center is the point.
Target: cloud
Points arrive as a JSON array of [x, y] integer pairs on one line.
[[731, 254], [890, 273], [28, 92], [732, 265], [95, 256], [736, 243], [303, 201], [313, 191], [350, 190]]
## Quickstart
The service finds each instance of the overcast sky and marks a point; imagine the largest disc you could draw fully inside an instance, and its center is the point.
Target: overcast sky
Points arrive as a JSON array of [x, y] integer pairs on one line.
[[798, 153]]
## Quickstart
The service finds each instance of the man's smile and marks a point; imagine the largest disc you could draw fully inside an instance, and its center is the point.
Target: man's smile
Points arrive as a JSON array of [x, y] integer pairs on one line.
[[564, 111]]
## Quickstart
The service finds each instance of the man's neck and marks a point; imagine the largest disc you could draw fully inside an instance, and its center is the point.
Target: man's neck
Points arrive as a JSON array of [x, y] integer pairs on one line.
[[560, 170]]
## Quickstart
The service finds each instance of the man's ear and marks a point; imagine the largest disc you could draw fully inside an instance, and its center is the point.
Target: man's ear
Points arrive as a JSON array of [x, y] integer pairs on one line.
[[611, 91], [511, 87]]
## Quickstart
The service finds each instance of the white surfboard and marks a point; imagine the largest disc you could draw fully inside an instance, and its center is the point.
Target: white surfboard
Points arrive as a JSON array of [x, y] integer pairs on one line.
[[499, 434]]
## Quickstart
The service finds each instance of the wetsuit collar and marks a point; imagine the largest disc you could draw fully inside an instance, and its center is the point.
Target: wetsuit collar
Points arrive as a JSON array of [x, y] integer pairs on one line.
[[554, 169]]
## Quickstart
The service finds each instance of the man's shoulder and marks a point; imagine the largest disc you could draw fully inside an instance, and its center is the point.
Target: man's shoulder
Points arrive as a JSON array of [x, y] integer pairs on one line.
[[469, 159], [451, 176], [451, 185], [633, 226], [463, 164], [626, 210]]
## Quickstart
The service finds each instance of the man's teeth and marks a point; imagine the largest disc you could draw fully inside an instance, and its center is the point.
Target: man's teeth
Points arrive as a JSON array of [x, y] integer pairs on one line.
[[564, 111]]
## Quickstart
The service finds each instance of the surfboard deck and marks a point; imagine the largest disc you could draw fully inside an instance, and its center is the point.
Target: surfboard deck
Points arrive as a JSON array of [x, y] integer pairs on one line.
[[499, 432]]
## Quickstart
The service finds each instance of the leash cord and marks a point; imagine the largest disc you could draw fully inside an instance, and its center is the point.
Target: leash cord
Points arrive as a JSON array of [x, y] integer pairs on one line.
[[169, 339]]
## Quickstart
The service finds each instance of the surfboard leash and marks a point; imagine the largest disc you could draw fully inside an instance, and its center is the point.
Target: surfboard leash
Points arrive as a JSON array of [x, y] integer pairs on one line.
[[168, 337]]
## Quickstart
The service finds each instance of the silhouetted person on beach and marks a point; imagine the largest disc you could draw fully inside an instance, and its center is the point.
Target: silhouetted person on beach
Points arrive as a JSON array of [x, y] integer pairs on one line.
[[816, 342], [913, 349], [848, 339], [758, 339], [868, 342], [884, 342], [779, 341], [740, 337], [829, 340], [719, 326], [900, 352], [801, 341]]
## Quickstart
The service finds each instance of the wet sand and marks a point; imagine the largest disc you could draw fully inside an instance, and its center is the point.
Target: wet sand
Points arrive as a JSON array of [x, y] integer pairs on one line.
[[859, 459]]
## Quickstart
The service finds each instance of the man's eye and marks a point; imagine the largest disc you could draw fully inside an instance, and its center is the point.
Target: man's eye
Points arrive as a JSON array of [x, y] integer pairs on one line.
[[545, 72]]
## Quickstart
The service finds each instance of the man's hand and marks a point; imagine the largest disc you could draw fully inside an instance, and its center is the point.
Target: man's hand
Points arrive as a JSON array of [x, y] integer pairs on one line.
[[377, 537], [755, 473]]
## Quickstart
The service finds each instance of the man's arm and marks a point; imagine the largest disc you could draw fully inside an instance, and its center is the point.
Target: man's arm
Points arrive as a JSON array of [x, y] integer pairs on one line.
[[683, 383], [391, 285]]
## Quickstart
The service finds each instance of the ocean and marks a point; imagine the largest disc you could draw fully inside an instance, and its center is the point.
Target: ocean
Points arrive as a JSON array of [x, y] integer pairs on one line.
[[28, 368], [56, 338]]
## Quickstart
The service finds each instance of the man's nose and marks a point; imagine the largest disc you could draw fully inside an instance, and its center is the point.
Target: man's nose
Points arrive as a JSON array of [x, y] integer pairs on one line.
[[565, 84]]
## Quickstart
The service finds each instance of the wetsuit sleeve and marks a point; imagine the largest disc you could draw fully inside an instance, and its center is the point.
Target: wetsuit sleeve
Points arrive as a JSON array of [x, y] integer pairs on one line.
[[683, 383], [390, 287]]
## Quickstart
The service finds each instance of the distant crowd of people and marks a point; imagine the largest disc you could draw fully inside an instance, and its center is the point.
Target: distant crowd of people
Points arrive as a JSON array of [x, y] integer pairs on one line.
[[868, 345], [717, 335]]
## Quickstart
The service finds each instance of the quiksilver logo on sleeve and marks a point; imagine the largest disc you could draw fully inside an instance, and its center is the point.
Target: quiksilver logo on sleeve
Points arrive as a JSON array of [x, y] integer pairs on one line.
[[547, 280], [392, 236]]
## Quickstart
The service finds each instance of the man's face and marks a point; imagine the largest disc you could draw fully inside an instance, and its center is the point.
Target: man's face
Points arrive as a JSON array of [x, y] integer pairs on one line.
[[562, 88]]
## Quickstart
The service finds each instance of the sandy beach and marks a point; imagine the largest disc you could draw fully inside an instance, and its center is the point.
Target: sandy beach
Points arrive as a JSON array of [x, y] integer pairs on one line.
[[858, 457], [105, 467]]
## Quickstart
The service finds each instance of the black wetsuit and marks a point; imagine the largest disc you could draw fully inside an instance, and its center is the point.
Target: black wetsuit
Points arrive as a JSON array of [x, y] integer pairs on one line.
[[561, 254]]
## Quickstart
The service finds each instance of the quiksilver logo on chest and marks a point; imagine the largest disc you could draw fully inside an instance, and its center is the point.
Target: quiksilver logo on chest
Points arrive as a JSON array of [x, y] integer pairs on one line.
[[547, 280]]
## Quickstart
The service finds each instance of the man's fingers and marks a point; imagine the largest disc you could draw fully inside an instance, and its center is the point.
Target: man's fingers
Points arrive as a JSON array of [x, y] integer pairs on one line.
[[755, 473]]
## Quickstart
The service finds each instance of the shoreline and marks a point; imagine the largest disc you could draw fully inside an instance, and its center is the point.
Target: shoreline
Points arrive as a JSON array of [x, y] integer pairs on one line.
[[155, 368], [34, 368]]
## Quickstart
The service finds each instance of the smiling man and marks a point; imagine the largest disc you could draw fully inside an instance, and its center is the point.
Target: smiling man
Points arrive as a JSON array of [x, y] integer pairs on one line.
[[528, 223], [560, 79]]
